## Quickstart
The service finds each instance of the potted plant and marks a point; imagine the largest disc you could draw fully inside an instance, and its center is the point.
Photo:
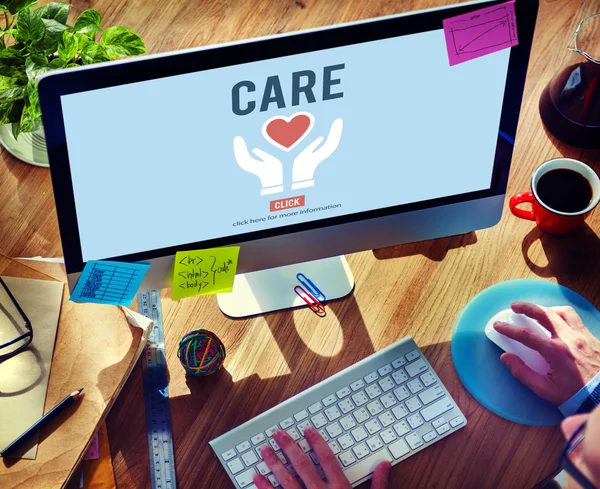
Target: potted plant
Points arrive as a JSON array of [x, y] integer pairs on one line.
[[36, 41]]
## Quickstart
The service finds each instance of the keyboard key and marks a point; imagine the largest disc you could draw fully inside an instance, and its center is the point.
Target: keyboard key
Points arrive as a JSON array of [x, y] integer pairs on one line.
[[366, 466], [333, 413], [329, 400], [361, 450], [359, 384], [373, 426], [347, 422], [374, 443], [242, 447], [286, 423], [249, 459], [302, 426], [386, 419], [346, 406], [319, 420], [401, 428], [334, 430], [431, 394], [235, 466], [229, 454], [388, 436], [415, 421], [345, 441], [274, 445], [304, 445], [361, 415], [273, 480], [400, 376], [402, 393], [413, 404], [335, 448], [428, 378], [412, 355], [245, 478], [314, 408], [437, 408], [415, 386], [259, 449], [301, 415], [256, 439], [388, 400], [372, 377], [456, 422], [438, 422], [386, 384], [271, 431], [346, 458], [324, 435], [293, 432], [414, 441], [386, 369], [360, 398], [427, 437], [373, 391], [398, 362], [359, 434], [399, 449], [416, 368], [375, 408], [263, 468], [400, 411], [443, 429], [281, 458], [343, 392]]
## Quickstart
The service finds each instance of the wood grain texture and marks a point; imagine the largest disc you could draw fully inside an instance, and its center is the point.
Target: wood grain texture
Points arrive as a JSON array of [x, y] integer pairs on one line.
[[417, 289]]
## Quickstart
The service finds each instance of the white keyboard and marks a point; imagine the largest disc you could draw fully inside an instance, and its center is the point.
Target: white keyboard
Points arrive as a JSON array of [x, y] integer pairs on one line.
[[388, 406]]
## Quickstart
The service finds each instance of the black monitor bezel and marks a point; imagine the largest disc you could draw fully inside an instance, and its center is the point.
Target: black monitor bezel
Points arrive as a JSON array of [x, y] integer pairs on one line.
[[57, 84]]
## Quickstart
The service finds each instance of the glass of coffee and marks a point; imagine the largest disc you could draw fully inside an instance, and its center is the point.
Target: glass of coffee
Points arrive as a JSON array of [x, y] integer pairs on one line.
[[570, 104], [563, 193]]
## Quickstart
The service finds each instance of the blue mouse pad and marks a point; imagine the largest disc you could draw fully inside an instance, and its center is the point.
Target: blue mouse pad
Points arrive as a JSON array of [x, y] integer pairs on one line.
[[477, 359]]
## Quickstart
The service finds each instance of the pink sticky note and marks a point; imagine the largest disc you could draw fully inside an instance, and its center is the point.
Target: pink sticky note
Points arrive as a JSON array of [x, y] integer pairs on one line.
[[93, 451], [480, 32]]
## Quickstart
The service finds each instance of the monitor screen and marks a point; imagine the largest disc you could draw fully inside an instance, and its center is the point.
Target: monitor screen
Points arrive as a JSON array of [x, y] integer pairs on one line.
[[268, 144]]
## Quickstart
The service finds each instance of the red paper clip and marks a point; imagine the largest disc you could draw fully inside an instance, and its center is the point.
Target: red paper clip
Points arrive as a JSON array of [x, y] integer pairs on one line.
[[311, 300]]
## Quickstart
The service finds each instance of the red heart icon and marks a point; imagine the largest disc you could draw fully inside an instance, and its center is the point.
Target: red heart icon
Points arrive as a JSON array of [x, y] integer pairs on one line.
[[287, 132]]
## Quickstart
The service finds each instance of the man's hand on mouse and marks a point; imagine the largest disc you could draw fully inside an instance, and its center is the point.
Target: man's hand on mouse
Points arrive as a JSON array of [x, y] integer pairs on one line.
[[305, 468], [572, 352]]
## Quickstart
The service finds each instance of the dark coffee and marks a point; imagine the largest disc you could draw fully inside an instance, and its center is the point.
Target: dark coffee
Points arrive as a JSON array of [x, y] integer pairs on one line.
[[564, 190]]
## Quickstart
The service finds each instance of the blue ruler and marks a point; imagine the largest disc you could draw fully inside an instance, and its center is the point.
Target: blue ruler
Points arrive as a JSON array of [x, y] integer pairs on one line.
[[156, 396]]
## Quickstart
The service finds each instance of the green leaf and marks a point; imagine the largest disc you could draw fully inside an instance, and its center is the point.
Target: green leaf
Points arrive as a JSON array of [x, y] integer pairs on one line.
[[12, 94], [82, 41], [30, 25], [87, 17], [93, 53], [58, 11], [12, 56], [31, 120], [67, 46], [5, 110], [90, 31], [15, 6], [52, 36], [36, 66], [122, 41]]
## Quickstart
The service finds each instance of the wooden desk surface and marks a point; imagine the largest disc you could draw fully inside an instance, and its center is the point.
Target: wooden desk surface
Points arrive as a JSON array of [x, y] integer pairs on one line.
[[416, 289]]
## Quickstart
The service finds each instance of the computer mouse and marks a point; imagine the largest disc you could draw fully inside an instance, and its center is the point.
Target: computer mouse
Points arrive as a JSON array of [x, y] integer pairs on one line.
[[530, 357]]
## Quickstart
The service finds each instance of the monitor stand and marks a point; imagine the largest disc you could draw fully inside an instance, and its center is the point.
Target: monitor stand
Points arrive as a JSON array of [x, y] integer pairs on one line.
[[273, 289]]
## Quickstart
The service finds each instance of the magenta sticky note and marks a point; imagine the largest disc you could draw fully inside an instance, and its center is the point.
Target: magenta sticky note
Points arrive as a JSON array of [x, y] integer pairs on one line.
[[480, 32]]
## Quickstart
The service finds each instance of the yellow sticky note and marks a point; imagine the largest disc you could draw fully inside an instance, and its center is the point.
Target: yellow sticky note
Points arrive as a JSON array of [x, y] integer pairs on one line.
[[203, 272]]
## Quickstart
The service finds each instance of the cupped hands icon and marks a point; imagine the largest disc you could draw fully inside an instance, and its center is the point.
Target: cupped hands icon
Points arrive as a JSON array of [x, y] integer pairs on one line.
[[267, 168]]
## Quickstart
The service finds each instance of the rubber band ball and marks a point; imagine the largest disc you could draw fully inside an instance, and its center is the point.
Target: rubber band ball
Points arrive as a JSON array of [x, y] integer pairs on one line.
[[201, 352]]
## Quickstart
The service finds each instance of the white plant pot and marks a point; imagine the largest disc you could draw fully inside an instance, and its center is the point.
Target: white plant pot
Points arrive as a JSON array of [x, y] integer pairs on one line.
[[30, 147]]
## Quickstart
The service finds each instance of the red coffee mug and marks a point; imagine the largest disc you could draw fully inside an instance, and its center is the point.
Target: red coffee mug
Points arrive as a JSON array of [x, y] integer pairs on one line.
[[548, 219]]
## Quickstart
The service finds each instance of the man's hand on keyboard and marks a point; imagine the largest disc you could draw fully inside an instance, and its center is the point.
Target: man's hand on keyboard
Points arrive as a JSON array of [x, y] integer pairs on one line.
[[306, 469], [572, 352]]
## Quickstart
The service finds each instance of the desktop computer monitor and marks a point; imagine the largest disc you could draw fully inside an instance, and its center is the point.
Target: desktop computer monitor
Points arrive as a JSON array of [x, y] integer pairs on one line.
[[295, 147]]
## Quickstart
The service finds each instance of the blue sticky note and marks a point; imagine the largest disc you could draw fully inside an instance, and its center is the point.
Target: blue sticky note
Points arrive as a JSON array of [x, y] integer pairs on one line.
[[109, 282]]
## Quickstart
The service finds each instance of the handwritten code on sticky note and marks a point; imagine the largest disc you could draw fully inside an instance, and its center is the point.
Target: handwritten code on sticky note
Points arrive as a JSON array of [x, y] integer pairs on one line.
[[204, 272], [109, 282], [481, 32]]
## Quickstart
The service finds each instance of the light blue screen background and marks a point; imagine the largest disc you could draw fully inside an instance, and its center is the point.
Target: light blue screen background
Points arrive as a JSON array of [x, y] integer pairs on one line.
[[414, 129]]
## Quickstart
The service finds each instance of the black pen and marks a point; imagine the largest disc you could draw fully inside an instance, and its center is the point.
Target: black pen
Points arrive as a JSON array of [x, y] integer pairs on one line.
[[47, 418]]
